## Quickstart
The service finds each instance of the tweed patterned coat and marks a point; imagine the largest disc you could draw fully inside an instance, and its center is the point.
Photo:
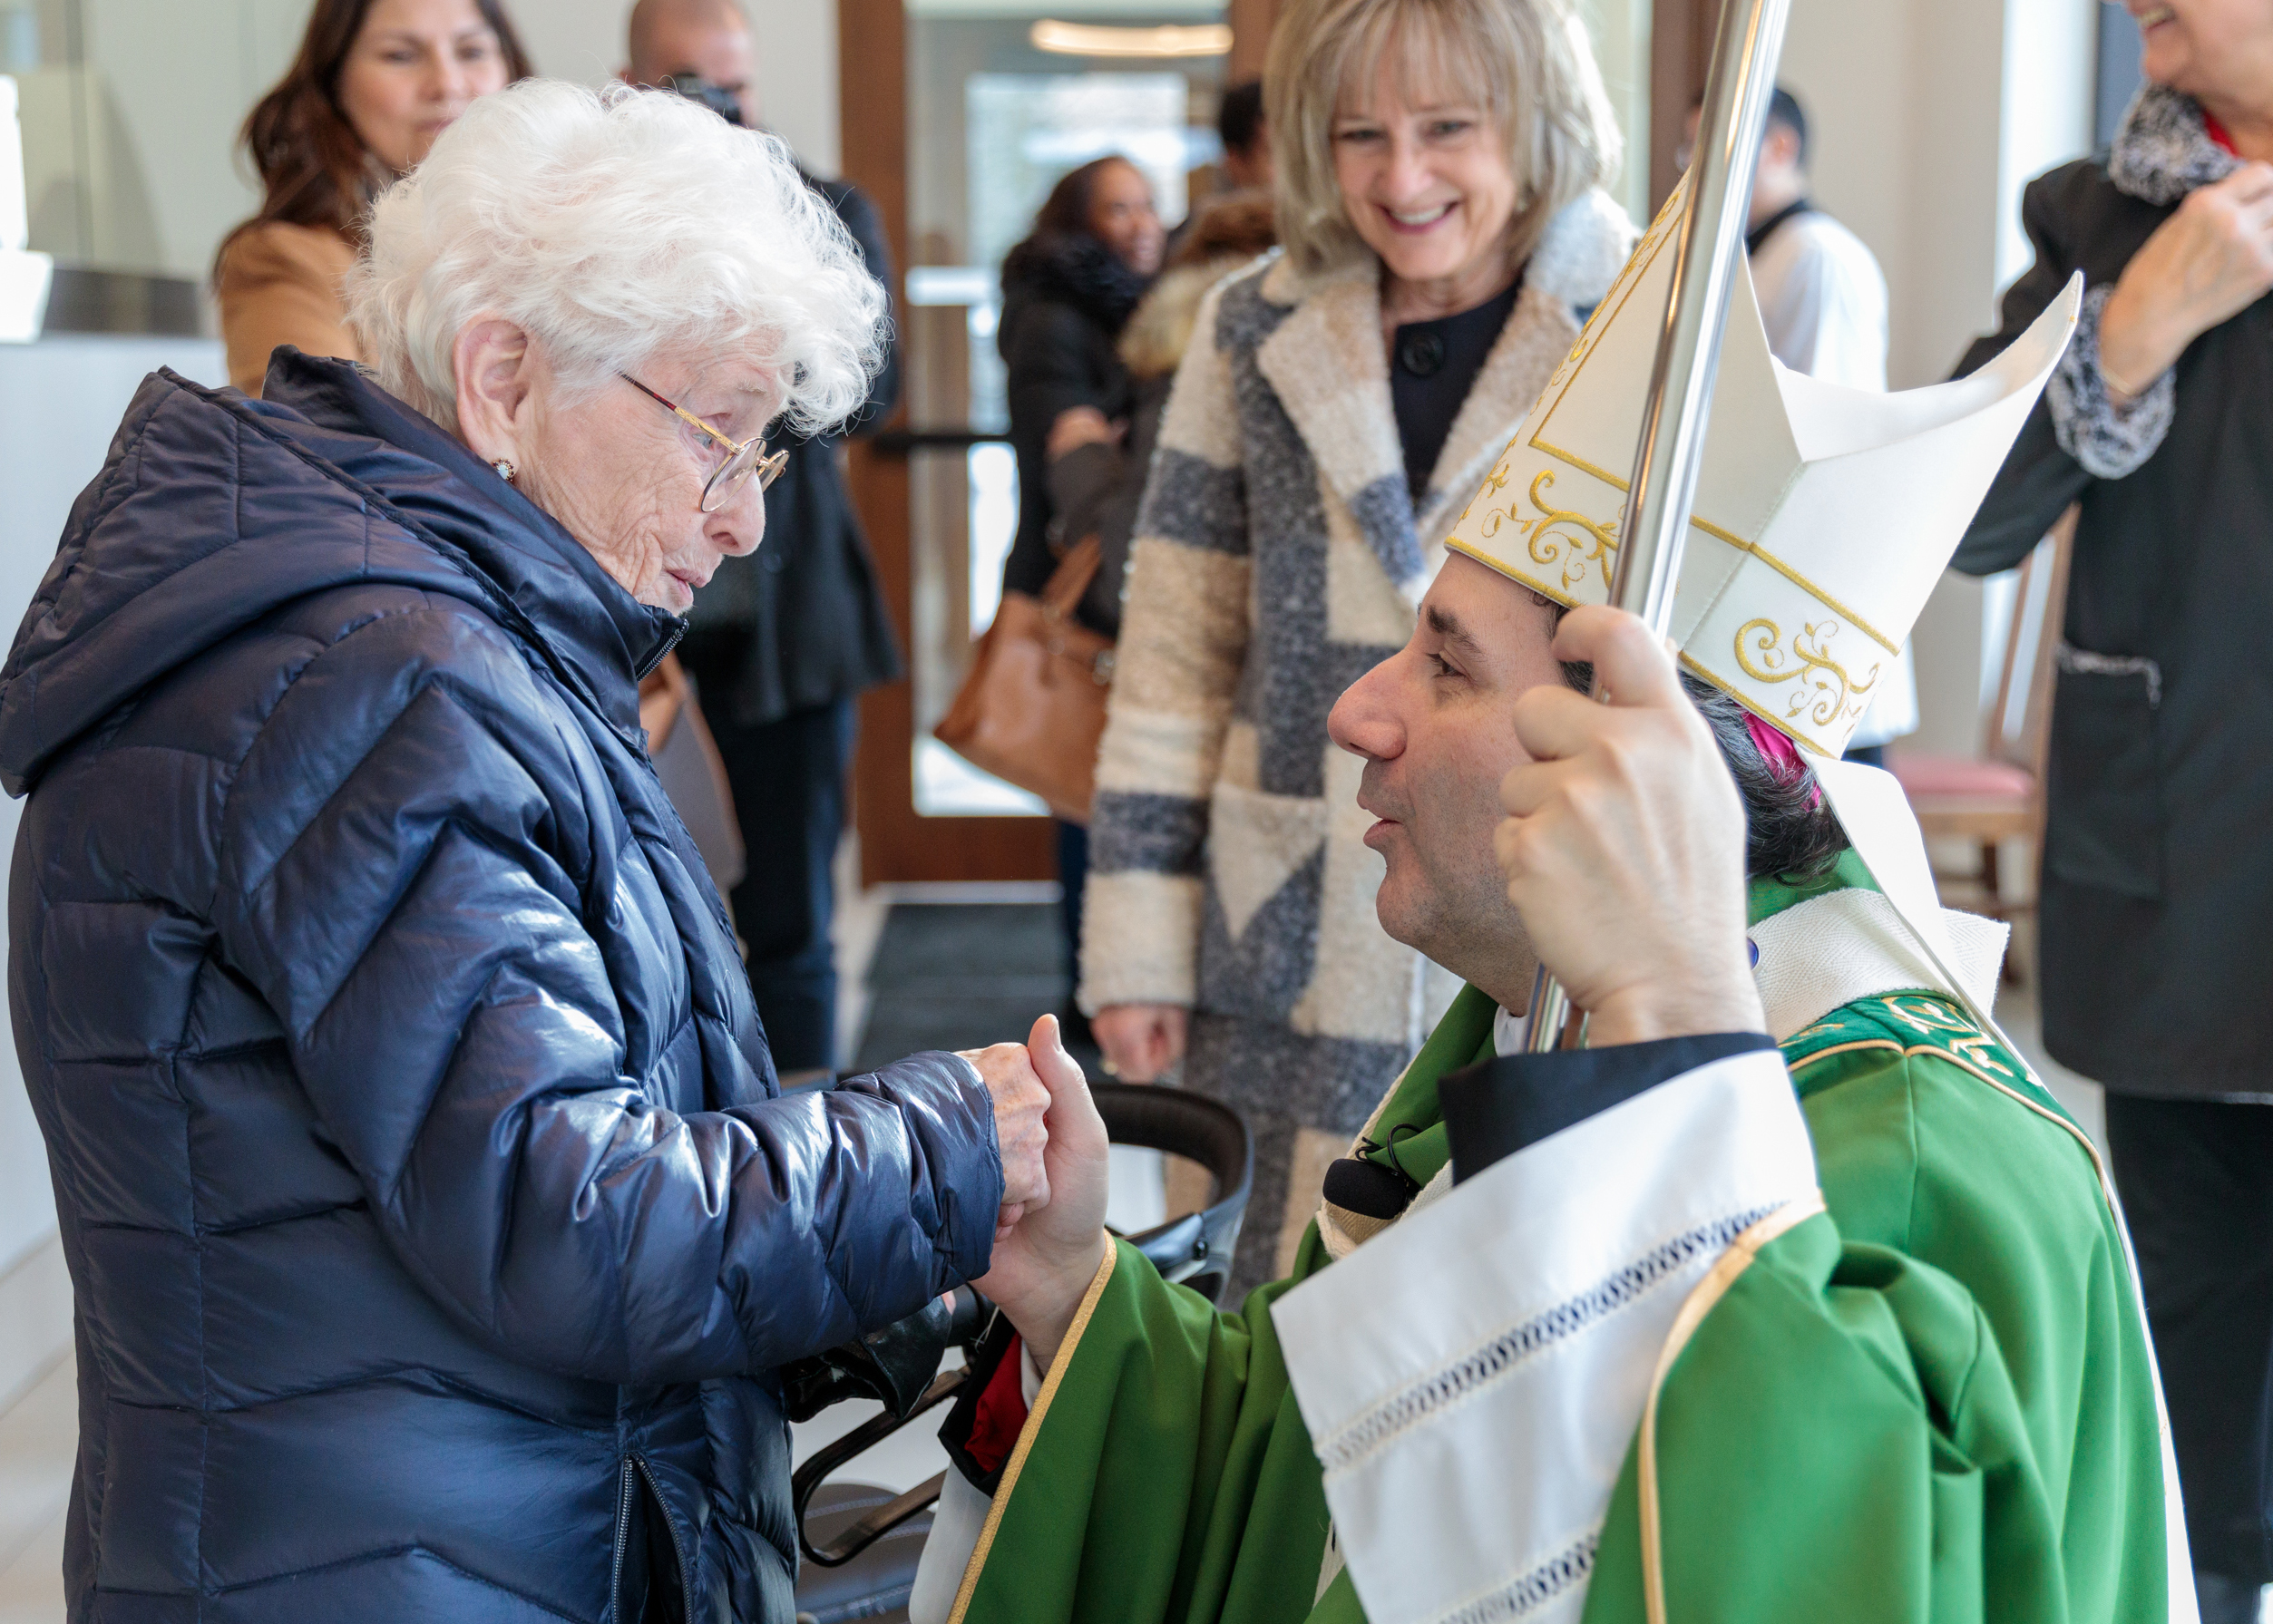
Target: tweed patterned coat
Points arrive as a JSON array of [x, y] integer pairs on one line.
[[1278, 557]]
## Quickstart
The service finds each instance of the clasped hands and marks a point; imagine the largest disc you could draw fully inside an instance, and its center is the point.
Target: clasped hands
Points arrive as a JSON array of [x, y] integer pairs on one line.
[[1624, 852]]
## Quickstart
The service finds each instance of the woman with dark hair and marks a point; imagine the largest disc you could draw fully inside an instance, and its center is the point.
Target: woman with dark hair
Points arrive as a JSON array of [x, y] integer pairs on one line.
[[1067, 290], [375, 82]]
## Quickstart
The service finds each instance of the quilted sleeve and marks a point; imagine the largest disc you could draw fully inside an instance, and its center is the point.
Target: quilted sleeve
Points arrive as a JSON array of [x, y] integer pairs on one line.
[[396, 878]]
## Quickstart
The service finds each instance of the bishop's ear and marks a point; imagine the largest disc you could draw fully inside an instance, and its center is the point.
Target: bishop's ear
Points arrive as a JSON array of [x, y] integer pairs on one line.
[[493, 363]]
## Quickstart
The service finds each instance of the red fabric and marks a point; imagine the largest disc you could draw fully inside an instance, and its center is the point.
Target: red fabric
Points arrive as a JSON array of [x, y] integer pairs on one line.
[[1958, 775], [2217, 132], [1001, 1415], [1783, 755]]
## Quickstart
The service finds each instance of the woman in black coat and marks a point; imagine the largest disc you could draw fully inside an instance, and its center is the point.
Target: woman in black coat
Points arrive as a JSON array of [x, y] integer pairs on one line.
[[1067, 290], [436, 1225], [2158, 871]]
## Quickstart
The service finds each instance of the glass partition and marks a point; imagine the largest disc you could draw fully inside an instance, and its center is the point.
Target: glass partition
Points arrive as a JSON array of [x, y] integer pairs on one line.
[[995, 117]]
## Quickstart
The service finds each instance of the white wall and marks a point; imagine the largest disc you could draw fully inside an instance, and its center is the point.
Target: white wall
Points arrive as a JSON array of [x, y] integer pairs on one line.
[[583, 40], [1620, 30], [1928, 118], [168, 85]]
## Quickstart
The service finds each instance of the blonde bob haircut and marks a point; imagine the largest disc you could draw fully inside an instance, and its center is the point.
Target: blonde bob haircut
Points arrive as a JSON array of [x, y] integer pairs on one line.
[[1526, 62]]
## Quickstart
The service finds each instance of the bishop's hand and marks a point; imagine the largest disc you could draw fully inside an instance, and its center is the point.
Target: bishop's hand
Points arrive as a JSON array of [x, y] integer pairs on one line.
[[1623, 848], [1043, 1264]]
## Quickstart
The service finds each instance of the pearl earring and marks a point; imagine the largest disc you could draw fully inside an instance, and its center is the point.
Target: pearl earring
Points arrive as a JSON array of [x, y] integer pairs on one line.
[[504, 470]]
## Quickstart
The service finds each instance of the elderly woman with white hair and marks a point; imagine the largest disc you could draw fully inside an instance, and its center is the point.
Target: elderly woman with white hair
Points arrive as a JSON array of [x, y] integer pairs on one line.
[[435, 1222]]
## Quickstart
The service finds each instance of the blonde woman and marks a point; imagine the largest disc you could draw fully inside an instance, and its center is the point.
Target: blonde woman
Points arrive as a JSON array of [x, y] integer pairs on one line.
[[1438, 192]]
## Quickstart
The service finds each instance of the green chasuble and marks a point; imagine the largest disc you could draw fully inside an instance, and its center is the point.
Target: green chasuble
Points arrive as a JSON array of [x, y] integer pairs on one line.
[[1933, 1401]]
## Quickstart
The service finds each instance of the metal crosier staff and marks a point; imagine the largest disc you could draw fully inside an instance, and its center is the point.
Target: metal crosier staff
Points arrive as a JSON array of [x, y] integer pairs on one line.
[[1708, 255]]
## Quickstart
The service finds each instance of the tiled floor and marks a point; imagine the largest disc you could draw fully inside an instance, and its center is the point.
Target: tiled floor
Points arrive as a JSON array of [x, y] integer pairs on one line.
[[38, 1434]]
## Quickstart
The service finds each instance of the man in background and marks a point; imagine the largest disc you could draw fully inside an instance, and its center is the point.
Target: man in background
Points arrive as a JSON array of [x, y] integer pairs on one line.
[[1246, 164], [780, 642], [1823, 300]]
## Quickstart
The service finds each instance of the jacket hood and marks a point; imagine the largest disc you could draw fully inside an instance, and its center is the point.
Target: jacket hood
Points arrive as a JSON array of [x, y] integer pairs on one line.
[[212, 511], [1072, 269]]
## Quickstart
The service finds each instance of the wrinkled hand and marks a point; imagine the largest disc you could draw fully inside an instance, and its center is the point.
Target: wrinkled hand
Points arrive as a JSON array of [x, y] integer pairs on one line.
[[1021, 1104], [1042, 1269], [1142, 1040], [1625, 845], [1077, 426], [2210, 261]]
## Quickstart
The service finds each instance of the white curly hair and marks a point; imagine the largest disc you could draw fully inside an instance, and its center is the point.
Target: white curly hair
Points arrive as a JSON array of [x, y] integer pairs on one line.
[[613, 226]]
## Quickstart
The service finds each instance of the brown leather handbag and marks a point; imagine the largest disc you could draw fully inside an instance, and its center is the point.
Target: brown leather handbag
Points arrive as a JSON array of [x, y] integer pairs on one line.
[[1032, 709]]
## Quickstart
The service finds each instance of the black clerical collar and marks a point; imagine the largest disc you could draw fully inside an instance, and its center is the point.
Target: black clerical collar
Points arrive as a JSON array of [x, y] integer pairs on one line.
[[1758, 235]]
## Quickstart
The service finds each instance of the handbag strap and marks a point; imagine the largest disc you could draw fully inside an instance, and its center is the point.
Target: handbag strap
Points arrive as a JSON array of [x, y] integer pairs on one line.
[[1072, 576]]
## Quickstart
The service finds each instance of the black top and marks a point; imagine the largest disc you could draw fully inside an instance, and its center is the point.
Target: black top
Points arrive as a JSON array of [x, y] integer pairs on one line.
[[1757, 238], [801, 622], [1065, 300], [1433, 366], [2158, 877]]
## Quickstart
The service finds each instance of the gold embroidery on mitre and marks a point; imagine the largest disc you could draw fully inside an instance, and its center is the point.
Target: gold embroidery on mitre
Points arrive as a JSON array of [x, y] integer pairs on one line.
[[1557, 537], [1824, 684]]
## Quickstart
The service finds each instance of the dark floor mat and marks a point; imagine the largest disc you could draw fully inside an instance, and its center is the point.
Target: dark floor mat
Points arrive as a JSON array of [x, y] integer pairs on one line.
[[961, 976]]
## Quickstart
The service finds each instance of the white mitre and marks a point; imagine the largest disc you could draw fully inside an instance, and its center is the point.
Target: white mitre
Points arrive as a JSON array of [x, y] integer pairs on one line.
[[1823, 515]]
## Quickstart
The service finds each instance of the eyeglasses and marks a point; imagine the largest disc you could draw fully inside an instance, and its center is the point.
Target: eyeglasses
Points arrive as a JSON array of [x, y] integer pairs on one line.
[[743, 459]]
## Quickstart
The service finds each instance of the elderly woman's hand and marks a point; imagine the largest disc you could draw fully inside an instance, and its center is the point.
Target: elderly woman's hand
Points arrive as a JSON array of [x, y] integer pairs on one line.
[[2210, 261], [1623, 848], [1020, 1102]]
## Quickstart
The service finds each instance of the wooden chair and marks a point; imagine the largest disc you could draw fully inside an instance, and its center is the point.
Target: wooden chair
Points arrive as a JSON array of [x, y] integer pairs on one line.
[[1998, 795]]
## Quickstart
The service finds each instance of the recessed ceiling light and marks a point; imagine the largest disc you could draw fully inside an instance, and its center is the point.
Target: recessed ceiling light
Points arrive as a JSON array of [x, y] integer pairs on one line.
[[1088, 39]]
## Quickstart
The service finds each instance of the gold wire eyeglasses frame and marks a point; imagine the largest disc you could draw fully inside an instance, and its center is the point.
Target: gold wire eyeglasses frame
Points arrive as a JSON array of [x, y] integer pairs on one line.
[[744, 458]]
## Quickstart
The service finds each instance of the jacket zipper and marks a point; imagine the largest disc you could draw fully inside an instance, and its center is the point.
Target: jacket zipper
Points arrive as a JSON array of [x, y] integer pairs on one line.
[[623, 1525], [678, 1552], [670, 641]]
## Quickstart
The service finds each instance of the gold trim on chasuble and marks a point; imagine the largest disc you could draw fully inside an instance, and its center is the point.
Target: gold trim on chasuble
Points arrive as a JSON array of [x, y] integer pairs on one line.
[[1564, 542], [1027, 1433], [1954, 1037], [1698, 1303]]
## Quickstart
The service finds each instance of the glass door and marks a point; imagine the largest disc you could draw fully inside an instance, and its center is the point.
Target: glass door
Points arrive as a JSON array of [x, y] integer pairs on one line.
[[959, 116], [997, 98]]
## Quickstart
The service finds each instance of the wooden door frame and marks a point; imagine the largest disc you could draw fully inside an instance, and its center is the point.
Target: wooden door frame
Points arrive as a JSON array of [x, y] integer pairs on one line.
[[1681, 48], [896, 842]]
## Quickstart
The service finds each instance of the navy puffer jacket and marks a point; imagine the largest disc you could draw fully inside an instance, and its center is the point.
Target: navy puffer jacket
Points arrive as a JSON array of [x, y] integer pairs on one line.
[[435, 1222]]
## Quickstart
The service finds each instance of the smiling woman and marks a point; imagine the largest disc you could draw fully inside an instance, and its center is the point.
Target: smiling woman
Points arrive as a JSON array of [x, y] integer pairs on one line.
[[1439, 173]]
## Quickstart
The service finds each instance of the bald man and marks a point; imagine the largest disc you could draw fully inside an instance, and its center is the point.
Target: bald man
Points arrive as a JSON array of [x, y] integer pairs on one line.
[[705, 41], [780, 642]]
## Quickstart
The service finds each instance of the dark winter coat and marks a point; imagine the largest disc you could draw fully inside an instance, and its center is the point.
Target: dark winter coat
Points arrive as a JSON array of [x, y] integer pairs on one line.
[[1065, 300], [2158, 871], [801, 622], [434, 1227]]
